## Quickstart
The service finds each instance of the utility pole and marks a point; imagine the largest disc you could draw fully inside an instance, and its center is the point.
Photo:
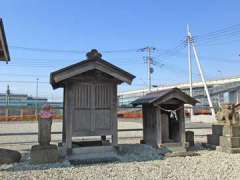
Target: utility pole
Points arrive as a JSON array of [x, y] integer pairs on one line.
[[7, 102], [37, 88], [36, 100], [7, 96], [189, 41], [149, 62], [192, 44]]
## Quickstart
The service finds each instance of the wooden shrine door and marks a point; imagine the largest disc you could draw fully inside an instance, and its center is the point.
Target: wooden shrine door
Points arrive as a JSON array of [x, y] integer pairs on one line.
[[93, 104]]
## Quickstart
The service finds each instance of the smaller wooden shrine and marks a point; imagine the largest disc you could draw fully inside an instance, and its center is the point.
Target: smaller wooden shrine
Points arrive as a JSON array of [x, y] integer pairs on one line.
[[163, 116], [90, 98]]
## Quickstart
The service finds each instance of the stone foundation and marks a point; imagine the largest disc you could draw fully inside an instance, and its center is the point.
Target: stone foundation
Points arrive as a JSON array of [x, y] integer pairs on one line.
[[44, 154], [233, 142], [230, 141], [231, 130]]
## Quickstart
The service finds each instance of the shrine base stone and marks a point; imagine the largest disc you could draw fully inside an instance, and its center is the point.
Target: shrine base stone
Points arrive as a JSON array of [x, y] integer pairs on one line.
[[230, 141], [231, 130], [44, 154]]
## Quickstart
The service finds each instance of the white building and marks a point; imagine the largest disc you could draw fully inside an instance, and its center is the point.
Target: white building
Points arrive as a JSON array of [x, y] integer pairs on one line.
[[221, 90]]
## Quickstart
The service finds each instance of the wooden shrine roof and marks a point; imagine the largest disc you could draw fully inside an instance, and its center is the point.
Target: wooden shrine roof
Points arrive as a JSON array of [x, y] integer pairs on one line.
[[162, 96], [4, 53], [94, 61]]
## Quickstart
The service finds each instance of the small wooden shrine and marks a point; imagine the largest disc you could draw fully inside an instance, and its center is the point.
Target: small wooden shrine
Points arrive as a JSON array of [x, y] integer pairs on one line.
[[90, 98], [163, 116]]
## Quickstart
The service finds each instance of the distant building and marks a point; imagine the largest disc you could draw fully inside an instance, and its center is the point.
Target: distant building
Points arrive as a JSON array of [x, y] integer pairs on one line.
[[221, 90], [9, 99]]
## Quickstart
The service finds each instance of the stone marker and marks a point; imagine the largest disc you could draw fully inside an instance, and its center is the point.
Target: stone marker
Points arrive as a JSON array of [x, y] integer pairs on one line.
[[230, 140], [8, 156], [44, 152]]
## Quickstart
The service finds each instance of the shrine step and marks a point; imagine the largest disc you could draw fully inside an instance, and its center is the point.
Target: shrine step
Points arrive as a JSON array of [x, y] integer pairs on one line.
[[93, 149], [93, 154], [175, 147]]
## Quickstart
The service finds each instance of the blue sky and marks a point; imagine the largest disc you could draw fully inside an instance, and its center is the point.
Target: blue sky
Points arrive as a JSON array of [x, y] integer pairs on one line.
[[114, 25]]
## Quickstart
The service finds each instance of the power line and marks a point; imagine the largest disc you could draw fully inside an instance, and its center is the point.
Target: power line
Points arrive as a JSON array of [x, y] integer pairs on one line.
[[47, 50], [40, 82], [24, 75], [220, 31], [70, 51], [222, 34]]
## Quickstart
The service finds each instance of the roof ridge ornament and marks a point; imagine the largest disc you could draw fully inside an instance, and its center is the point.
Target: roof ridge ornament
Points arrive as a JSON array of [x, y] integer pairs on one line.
[[94, 55]]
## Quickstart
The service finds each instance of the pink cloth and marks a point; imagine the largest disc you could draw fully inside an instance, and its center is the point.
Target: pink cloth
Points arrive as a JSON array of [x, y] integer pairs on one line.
[[46, 112]]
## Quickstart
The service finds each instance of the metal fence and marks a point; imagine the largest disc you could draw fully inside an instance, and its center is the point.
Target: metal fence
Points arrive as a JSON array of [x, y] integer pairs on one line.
[[25, 113], [31, 113]]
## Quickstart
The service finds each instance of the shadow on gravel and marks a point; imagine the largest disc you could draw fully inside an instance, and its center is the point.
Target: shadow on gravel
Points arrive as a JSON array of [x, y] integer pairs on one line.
[[125, 153], [27, 166]]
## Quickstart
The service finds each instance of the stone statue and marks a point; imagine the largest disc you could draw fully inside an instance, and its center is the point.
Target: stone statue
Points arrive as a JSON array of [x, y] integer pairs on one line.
[[228, 115], [44, 152], [44, 125], [230, 138]]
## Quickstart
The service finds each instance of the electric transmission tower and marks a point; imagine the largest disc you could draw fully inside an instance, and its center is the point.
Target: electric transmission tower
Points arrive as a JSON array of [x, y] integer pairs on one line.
[[192, 47]]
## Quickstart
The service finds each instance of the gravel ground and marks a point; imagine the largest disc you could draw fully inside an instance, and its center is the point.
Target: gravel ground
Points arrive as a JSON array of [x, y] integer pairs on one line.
[[209, 165]]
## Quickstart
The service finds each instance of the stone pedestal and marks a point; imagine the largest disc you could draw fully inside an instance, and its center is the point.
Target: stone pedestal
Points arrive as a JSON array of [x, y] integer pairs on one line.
[[217, 131], [44, 154], [230, 141]]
